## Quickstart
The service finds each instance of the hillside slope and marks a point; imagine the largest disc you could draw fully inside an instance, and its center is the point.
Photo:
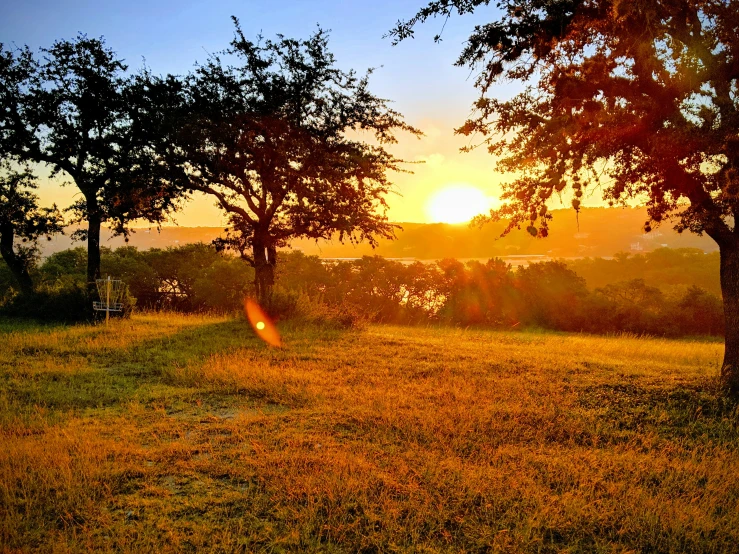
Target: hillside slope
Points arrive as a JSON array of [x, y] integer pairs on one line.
[[595, 232]]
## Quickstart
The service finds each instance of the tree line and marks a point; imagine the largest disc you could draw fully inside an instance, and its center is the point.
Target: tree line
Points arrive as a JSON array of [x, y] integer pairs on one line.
[[549, 295]]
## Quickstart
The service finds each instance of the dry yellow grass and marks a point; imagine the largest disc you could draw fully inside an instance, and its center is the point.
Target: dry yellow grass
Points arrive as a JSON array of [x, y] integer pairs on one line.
[[170, 433]]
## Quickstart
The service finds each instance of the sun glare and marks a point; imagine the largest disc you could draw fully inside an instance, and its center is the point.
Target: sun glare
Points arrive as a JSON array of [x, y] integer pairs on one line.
[[457, 204], [264, 328]]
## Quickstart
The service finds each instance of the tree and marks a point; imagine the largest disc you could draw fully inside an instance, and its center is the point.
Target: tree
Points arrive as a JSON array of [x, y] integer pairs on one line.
[[274, 139], [177, 270], [635, 307], [699, 313], [66, 267], [635, 99], [222, 286], [130, 266], [22, 220], [552, 295], [78, 112]]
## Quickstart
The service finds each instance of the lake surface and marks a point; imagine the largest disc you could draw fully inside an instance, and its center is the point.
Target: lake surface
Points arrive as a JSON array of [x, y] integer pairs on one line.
[[516, 261]]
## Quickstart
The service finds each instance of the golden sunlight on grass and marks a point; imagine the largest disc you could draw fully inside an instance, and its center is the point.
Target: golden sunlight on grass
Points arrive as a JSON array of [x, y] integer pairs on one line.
[[177, 434]]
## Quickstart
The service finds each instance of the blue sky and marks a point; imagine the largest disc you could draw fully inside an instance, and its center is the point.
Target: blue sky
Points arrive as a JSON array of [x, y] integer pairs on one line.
[[418, 75], [172, 35]]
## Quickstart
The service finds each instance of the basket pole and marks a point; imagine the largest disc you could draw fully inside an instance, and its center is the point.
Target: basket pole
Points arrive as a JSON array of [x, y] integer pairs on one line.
[[107, 303]]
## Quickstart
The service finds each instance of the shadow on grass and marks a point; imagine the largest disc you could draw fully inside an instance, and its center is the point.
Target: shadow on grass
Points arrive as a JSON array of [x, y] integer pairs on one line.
[[697, 412], [111, 376], [148, 358], [22, 325]]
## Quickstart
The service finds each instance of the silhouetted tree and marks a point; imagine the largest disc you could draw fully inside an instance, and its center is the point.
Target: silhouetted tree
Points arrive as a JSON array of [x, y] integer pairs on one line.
[[22, 223], [275, 141], [77, 111], [641, 93]]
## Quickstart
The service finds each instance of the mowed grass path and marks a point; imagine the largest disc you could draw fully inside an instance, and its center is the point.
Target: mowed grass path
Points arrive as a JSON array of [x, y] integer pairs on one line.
[[168, 433]]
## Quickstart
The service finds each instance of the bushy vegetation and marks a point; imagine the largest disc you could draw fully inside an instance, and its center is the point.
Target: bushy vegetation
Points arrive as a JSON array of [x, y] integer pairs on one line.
[[184, 433], [664, 293], [189, 278], [665, 268], [548, 295]]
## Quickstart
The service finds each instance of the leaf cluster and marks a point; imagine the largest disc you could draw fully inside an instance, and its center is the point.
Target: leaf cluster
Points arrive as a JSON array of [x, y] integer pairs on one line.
[[21, 218]]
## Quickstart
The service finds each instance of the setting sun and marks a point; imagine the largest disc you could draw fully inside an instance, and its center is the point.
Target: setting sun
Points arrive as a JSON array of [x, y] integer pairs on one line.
[[457, 204]]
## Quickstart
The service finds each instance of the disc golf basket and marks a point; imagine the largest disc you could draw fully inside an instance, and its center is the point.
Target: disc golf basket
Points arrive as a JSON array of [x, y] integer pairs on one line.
[[111, 294]]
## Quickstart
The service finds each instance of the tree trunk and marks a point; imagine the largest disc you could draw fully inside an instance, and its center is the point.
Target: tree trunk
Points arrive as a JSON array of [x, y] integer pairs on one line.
[[17, 265], [93, 244], [264, 271], [730, 293]]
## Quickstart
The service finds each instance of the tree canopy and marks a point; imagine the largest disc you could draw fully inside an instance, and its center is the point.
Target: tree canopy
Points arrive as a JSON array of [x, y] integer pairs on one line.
[[275, 135], [77, 111], [634, 100]]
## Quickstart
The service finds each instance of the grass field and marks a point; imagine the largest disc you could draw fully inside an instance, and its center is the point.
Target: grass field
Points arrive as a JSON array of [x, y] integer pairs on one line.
[[168, 433]]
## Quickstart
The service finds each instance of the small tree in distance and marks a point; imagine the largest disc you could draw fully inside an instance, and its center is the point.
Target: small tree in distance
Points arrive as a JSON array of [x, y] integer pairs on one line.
[[274, 138], [637, 99]]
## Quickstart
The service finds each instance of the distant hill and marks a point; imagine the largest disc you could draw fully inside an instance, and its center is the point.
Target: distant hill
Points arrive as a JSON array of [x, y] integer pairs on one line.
[[600, 232]]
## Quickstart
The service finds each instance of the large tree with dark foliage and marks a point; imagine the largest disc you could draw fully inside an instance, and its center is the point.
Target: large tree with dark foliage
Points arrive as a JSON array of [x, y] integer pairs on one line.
[[635, 100], [22, 223], [77, 111], [275, 137]]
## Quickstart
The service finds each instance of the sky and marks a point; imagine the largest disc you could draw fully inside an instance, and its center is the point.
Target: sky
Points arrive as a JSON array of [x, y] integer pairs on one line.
[[418, 75]]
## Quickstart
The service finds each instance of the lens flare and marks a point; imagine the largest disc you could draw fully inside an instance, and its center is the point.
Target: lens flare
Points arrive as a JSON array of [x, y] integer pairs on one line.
[[263, 327]]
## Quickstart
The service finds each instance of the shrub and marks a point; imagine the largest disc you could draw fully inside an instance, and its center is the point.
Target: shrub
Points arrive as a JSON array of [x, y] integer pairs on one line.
[[700, 313], [282, 304], [346, 294], [315, 311], [299, 306], [552, 295], [68, 303]]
